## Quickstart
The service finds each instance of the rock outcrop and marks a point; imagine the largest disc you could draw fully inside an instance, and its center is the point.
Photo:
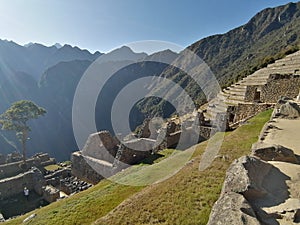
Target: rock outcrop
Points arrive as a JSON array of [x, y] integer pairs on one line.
[[249, 182], [288, 109], [232, 209]]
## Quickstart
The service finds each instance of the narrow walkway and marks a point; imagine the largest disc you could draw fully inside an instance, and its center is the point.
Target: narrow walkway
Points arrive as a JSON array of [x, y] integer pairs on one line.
[[286, 133]]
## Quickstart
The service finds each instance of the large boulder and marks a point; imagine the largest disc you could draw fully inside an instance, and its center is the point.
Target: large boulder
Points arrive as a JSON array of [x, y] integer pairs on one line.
[[249, 181], [289, 110], [232, 209], [245, 175], [269, 152]]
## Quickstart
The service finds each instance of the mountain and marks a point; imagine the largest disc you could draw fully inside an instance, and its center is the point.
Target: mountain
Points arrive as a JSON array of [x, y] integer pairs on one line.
[[269, 32], [269, 35], [55, 88], [34, 59], [49, 75], [122, 54]]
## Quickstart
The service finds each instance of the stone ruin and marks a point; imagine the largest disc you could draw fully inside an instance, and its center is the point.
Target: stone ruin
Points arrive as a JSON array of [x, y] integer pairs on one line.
[[44, 186], [257, 92], [104, 155], [39, 160]]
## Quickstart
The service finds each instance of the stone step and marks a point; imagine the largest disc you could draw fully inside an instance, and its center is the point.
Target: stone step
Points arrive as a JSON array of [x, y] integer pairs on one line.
[[284, 70], [289, 58], [259, 76], [233, 102], [240, 86], [236, 97], [257, 79], [212, 113], [222, 95], [290, 63], [221, 107], [235, 91], [260, 73]]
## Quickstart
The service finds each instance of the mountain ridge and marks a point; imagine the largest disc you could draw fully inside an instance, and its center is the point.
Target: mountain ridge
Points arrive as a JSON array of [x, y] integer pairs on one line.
[[242, 50]]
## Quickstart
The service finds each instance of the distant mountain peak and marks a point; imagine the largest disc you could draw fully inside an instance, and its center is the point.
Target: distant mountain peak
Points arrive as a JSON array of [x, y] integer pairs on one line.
[[28, 44], [121, 54], [57, 45]]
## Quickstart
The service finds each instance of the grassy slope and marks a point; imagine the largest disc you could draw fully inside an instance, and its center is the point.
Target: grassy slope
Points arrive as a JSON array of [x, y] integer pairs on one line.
[[185, 198]]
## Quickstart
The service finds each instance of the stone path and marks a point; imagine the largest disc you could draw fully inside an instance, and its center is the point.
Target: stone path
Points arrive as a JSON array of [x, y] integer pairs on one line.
[[286, 133]]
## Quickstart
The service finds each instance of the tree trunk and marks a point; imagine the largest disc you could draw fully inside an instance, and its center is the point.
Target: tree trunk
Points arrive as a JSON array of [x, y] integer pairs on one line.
[[24, 139]]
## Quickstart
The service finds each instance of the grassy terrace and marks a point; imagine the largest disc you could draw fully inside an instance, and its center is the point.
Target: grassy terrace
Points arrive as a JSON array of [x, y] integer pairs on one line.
[[185, 198]]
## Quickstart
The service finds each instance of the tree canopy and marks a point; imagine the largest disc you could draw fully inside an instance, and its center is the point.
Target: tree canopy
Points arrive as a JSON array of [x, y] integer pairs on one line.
[[15, 118]]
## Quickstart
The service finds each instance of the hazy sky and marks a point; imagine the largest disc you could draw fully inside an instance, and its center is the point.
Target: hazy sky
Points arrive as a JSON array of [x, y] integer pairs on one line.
[[103, 25]]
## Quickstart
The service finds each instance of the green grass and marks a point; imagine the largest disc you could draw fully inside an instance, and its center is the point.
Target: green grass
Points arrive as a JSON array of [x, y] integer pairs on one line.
[[185, 198], [52, 167]]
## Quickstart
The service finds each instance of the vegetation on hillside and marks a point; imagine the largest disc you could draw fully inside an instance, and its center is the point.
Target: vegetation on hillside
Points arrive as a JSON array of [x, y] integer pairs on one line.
[[269, 35], [185, 198]]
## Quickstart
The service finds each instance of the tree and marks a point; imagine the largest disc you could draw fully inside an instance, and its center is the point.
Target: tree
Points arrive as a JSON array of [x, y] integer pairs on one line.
[[15, 118]]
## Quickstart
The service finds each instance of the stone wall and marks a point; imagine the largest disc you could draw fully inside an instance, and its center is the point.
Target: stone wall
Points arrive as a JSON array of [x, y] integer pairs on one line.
[[250, 92], [13, 169], [82, 170], [2, 159], [206, 132], [50, 193], [246, 110], [137, 150], [280, 85], [277, 85], [12, 186], [101, 145], [102, 152]]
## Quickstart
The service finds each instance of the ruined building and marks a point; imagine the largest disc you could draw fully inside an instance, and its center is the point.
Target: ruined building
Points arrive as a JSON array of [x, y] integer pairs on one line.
[[104, 155], [258, 91]]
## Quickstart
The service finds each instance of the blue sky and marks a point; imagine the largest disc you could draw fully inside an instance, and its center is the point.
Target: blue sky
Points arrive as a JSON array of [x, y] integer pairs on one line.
[[103, 25]]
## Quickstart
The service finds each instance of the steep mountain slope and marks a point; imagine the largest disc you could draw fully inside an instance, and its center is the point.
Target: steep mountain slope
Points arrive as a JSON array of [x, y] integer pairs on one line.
[[270, 34], [266, 34], [55, 92], [21, 68]]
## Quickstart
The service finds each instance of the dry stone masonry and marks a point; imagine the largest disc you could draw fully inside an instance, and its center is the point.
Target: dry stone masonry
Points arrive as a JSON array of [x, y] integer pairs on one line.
[[44, 186], [103, 155], [258, 91]]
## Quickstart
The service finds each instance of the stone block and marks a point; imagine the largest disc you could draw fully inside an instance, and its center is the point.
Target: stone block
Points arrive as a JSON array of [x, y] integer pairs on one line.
[[50, 193]]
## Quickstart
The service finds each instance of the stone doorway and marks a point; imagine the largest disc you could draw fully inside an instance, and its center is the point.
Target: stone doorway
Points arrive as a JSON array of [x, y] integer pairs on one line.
[[257, 95]]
